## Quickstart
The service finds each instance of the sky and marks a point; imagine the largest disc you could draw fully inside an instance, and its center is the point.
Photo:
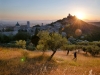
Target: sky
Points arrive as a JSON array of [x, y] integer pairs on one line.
[[48, 9]]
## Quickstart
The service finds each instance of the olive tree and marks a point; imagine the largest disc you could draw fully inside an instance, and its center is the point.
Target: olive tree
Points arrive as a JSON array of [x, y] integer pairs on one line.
[[52, 41], [93, 50], [43, 41], [70, 48]]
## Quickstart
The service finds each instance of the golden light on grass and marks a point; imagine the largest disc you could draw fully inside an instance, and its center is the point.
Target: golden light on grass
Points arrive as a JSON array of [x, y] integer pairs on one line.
[[10, 64]]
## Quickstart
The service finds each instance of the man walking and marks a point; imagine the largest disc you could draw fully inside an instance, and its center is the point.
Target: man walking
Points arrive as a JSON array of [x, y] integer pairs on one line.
[[75, 56]]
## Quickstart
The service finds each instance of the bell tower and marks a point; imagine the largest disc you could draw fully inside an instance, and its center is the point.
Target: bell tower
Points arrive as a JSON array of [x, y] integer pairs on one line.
[[28, 24]]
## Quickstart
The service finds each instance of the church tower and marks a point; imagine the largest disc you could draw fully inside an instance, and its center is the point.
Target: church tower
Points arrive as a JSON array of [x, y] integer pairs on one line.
[[28, 24]]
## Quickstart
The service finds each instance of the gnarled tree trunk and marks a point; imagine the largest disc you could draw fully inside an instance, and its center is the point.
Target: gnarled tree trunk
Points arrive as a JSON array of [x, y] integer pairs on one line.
[[67, 52], [52, 55]]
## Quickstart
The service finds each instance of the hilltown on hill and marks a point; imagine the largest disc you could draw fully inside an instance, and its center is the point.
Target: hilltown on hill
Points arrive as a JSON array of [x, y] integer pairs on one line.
[[57, 26], [13, 30]]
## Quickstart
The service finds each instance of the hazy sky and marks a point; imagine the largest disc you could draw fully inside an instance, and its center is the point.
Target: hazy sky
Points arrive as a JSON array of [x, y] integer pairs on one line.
[[48, 9]]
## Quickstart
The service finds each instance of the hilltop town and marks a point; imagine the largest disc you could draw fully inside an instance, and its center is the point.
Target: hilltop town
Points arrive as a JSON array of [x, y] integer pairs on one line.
[[70, 27], [13, 30]]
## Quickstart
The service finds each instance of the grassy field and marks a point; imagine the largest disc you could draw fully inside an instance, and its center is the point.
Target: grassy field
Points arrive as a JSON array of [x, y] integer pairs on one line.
[[15, 61]]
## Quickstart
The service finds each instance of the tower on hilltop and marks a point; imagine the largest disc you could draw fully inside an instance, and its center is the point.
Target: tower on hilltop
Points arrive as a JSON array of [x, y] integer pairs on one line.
[[17, 24], [28, 24], [69, 16]]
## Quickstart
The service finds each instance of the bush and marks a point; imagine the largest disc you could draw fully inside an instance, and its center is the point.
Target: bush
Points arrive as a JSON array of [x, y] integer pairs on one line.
[[94, 50], [30, 47], [70, 47], [21, 44]]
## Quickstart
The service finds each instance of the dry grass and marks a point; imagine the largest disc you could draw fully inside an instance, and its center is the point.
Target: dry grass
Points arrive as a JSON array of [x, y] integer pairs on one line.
[[15, 61]]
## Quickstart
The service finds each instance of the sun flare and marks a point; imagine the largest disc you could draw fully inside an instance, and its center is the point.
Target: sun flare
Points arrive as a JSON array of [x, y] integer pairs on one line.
[[79, 15]]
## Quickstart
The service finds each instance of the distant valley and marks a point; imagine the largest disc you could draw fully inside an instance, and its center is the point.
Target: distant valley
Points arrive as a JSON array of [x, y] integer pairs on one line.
[[95, 23]]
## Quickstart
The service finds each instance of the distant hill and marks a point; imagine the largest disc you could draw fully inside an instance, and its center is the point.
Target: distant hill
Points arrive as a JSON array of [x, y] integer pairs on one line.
[[72, 23], [95, 23]]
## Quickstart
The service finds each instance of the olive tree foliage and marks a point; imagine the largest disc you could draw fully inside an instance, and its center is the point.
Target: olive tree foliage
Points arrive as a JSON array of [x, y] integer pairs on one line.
[[21, 43], [69, 48], [52, 41], [93, 50], [91, 47], [43, 42], [56, 42]]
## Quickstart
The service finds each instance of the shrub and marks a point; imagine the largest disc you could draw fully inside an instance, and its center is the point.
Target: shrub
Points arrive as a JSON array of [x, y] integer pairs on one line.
[[21, 44], [30, 47], [94, 50]]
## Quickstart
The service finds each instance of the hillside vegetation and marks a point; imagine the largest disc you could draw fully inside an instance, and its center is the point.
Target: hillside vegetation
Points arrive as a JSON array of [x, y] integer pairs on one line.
[[72, 23]]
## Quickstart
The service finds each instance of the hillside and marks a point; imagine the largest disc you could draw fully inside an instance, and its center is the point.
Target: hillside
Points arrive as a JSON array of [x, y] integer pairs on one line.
[[72, 23]]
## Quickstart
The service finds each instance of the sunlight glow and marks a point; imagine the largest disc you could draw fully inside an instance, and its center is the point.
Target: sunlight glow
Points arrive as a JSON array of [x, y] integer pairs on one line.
[[79, 15], [78, 32]]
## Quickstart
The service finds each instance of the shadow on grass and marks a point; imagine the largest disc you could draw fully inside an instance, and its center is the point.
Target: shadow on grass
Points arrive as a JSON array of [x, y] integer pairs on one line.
[[85, 54], [27, 66]]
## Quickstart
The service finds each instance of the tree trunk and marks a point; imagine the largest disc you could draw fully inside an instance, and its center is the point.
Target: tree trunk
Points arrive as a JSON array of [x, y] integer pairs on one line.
[[43, 53], [86, 52], [52, 55], [67, 52]]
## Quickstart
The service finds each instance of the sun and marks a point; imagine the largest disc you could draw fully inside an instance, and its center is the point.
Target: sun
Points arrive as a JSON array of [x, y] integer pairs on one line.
[[79, 15]]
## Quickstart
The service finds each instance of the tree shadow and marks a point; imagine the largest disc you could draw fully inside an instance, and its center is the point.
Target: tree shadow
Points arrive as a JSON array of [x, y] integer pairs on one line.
[[28, 66]]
